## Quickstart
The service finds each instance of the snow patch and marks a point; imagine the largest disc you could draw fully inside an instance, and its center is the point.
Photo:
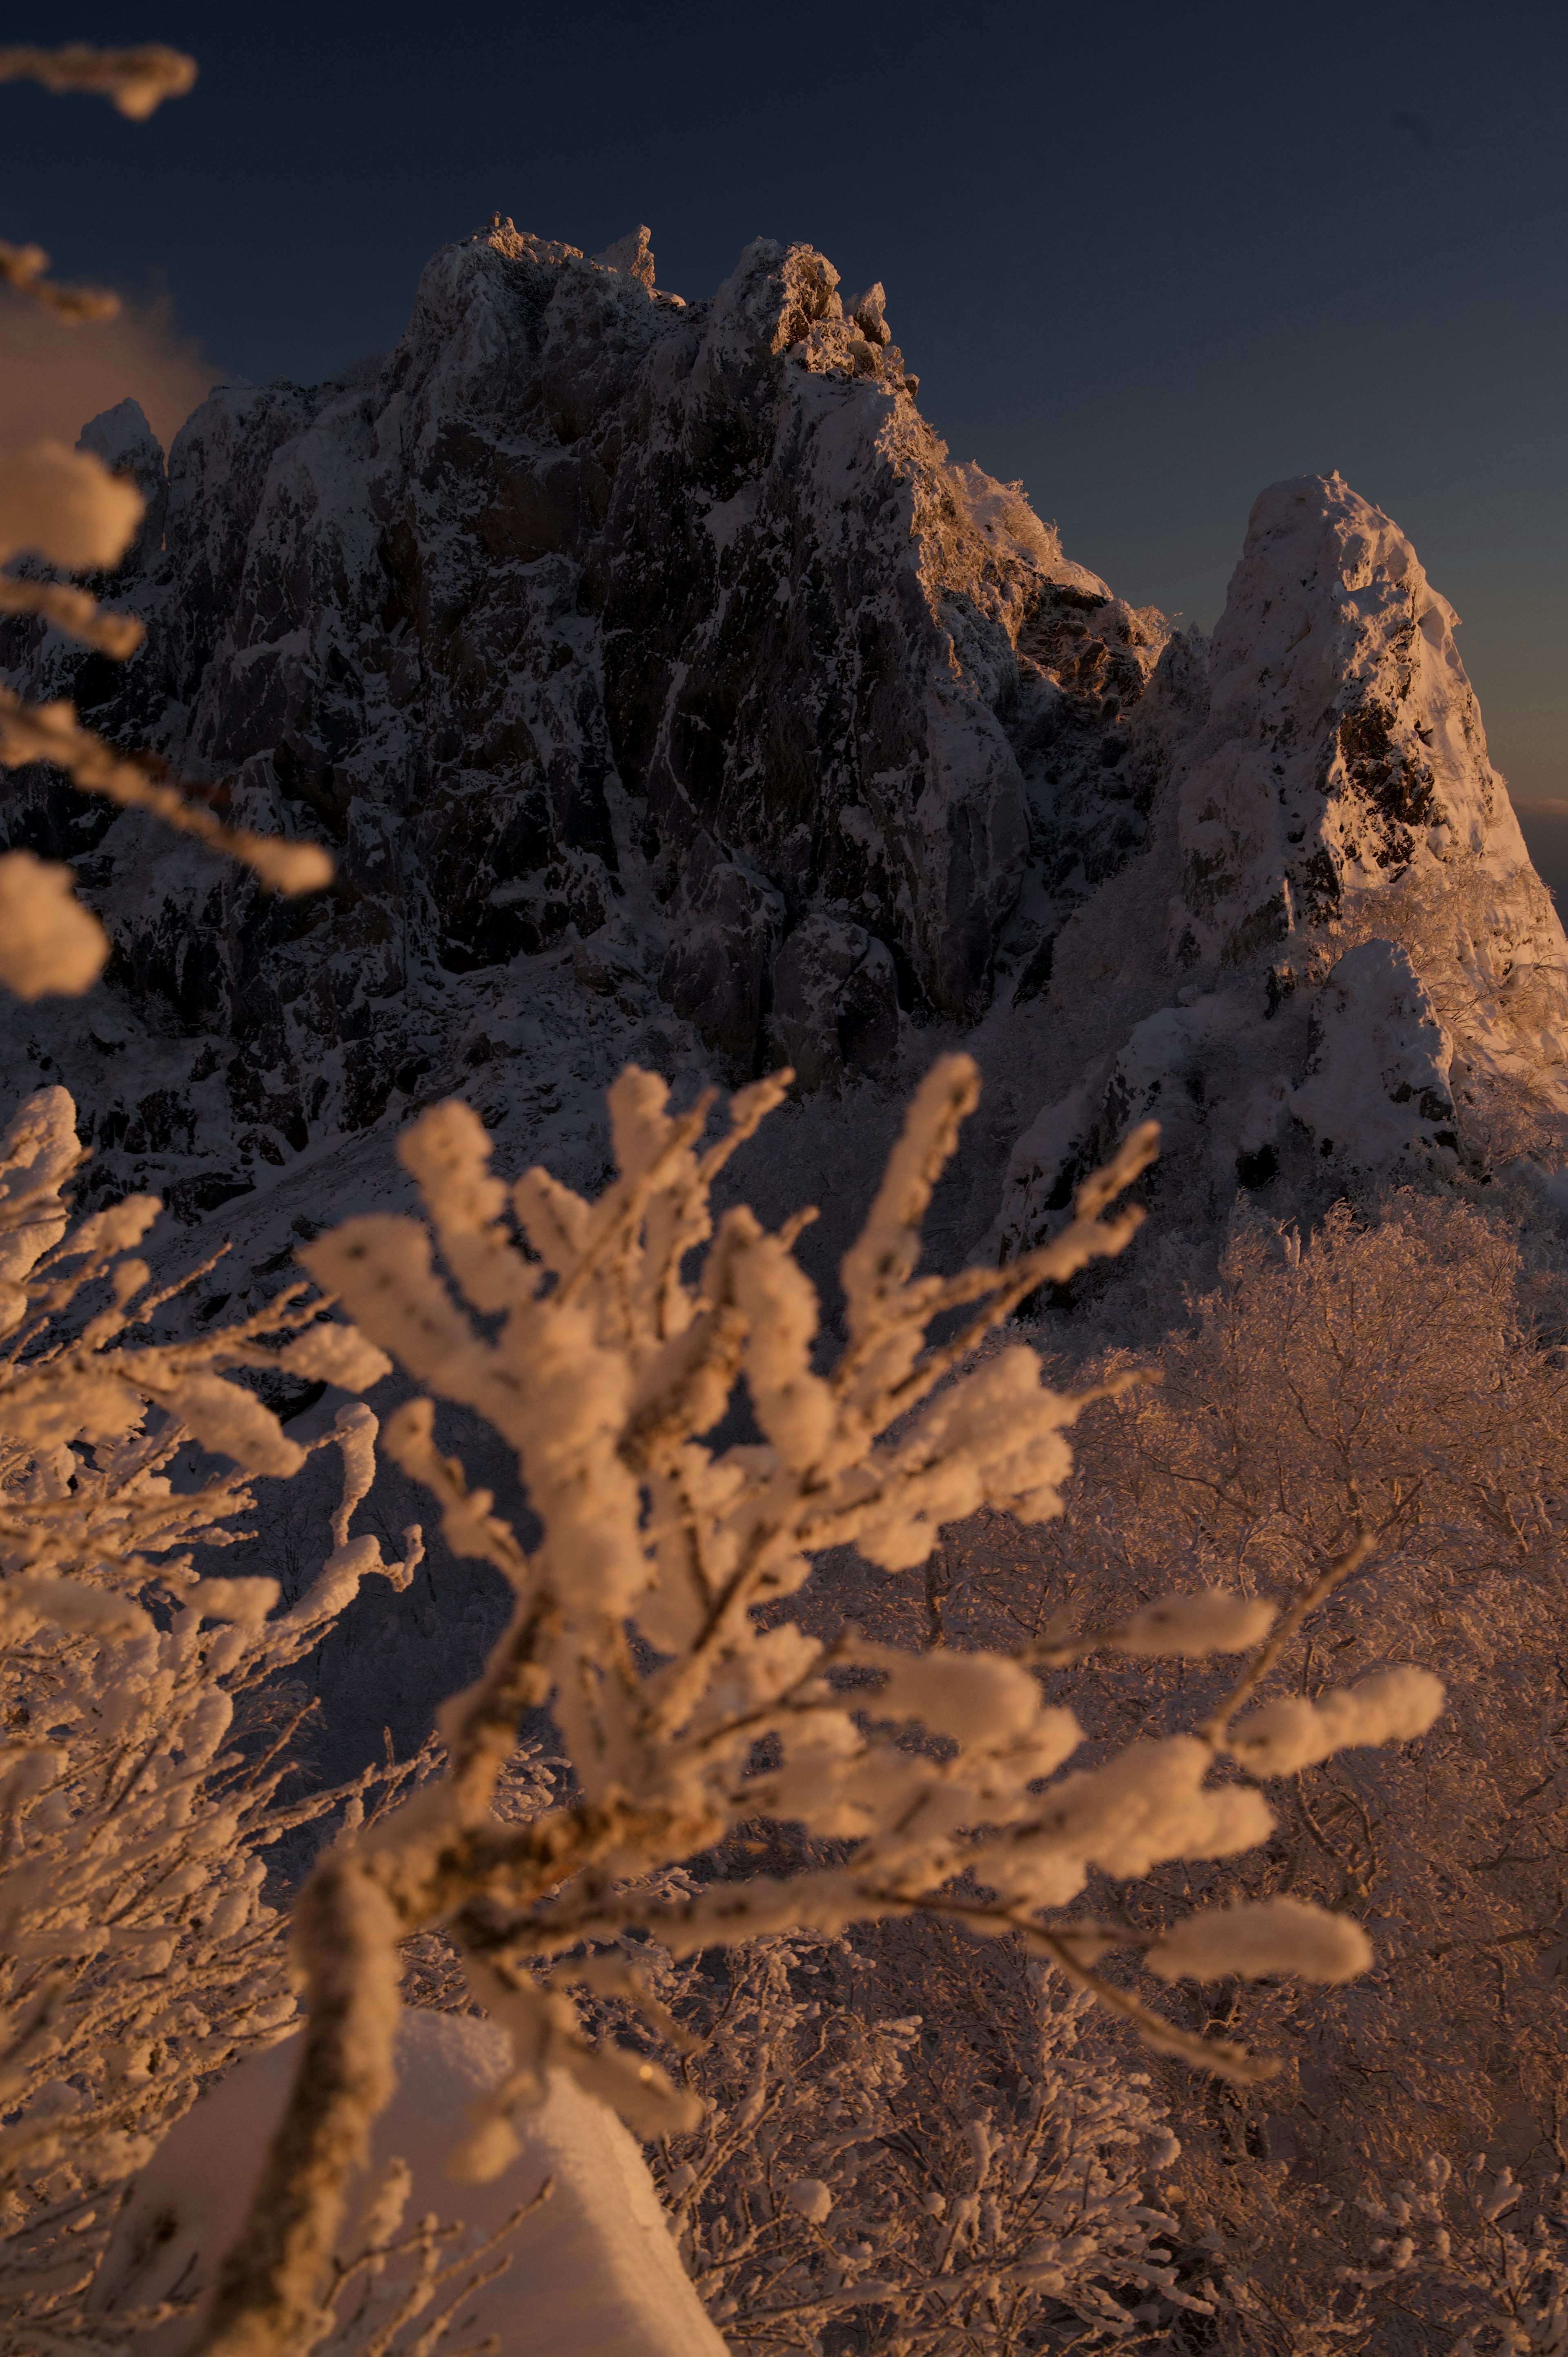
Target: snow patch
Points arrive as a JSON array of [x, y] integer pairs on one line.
[[594, 2271]]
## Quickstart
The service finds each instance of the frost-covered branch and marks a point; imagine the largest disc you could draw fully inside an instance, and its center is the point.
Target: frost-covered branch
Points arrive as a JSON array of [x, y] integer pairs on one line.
[[23, 267], [66, 509], [52, 732], [74, 612], [145, 1734], [136, 82], [651, 1615]]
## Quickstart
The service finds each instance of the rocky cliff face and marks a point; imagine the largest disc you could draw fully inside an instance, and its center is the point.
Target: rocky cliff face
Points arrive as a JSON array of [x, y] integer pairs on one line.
[[665, 691], [589, 620]]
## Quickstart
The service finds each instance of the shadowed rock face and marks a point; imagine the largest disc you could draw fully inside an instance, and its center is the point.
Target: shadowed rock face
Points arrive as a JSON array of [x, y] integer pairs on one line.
[[583, 596]]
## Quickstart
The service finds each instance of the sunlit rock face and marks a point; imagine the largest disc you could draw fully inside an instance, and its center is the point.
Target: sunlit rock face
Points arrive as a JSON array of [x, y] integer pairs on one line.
[[1360, 967], [1342, 747]]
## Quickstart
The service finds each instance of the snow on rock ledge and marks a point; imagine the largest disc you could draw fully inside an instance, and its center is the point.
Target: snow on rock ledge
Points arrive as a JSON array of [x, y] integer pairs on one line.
[[1376, 1085]]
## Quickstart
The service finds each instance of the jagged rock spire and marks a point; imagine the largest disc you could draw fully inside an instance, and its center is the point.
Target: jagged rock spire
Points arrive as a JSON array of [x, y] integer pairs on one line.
[[1366, 970]]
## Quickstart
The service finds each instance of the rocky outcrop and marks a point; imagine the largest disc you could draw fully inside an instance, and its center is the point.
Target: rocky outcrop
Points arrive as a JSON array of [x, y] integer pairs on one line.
[[1342, 748], [586, 608], [663, 691], [1362, 975]]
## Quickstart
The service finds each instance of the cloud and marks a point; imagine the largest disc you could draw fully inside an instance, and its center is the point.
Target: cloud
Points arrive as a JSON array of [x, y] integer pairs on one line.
[[1539, 805], [54, 376]]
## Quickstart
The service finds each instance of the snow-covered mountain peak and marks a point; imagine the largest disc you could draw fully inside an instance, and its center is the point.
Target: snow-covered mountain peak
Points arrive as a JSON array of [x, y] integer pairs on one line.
[[1344, 746], [643, 656], [1341, 783], [1362, 973], [666, 691]]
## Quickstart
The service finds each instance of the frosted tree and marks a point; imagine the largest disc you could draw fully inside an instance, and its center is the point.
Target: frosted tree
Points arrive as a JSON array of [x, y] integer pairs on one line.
[[63, 511], [979, 2165], [1402, 1370], [1471, 2251], [653, 1617], [145, 1734]]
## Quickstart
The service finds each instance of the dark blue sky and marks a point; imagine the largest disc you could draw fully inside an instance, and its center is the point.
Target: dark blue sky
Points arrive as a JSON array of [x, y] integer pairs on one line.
[[1149, 259]]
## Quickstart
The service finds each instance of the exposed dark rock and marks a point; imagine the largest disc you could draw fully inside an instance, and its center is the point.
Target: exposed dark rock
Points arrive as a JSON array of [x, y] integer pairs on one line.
[[583, 606], [835, 1001]]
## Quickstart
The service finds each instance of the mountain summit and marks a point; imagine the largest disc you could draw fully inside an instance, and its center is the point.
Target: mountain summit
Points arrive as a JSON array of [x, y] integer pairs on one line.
[[1359, 965], [664, 692]]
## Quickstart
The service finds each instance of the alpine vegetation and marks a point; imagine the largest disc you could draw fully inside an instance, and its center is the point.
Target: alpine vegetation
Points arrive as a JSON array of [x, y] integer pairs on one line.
[[651, 1616], [148, 1712], [979, 1774]]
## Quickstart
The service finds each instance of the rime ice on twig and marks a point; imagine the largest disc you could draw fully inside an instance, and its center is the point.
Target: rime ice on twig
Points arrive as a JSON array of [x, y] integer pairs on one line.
[[22, 267], [50, 732], [66, 508], [604, 1360], [136, 82], [74, 612]]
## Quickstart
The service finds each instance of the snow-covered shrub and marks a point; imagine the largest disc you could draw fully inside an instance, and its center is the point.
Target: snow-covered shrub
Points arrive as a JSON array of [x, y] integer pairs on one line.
[[1404, 1369], [1467, 2261], [63, 509], [144, 1737], [977, 2168], [653, 1617], [1474, 2252]]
